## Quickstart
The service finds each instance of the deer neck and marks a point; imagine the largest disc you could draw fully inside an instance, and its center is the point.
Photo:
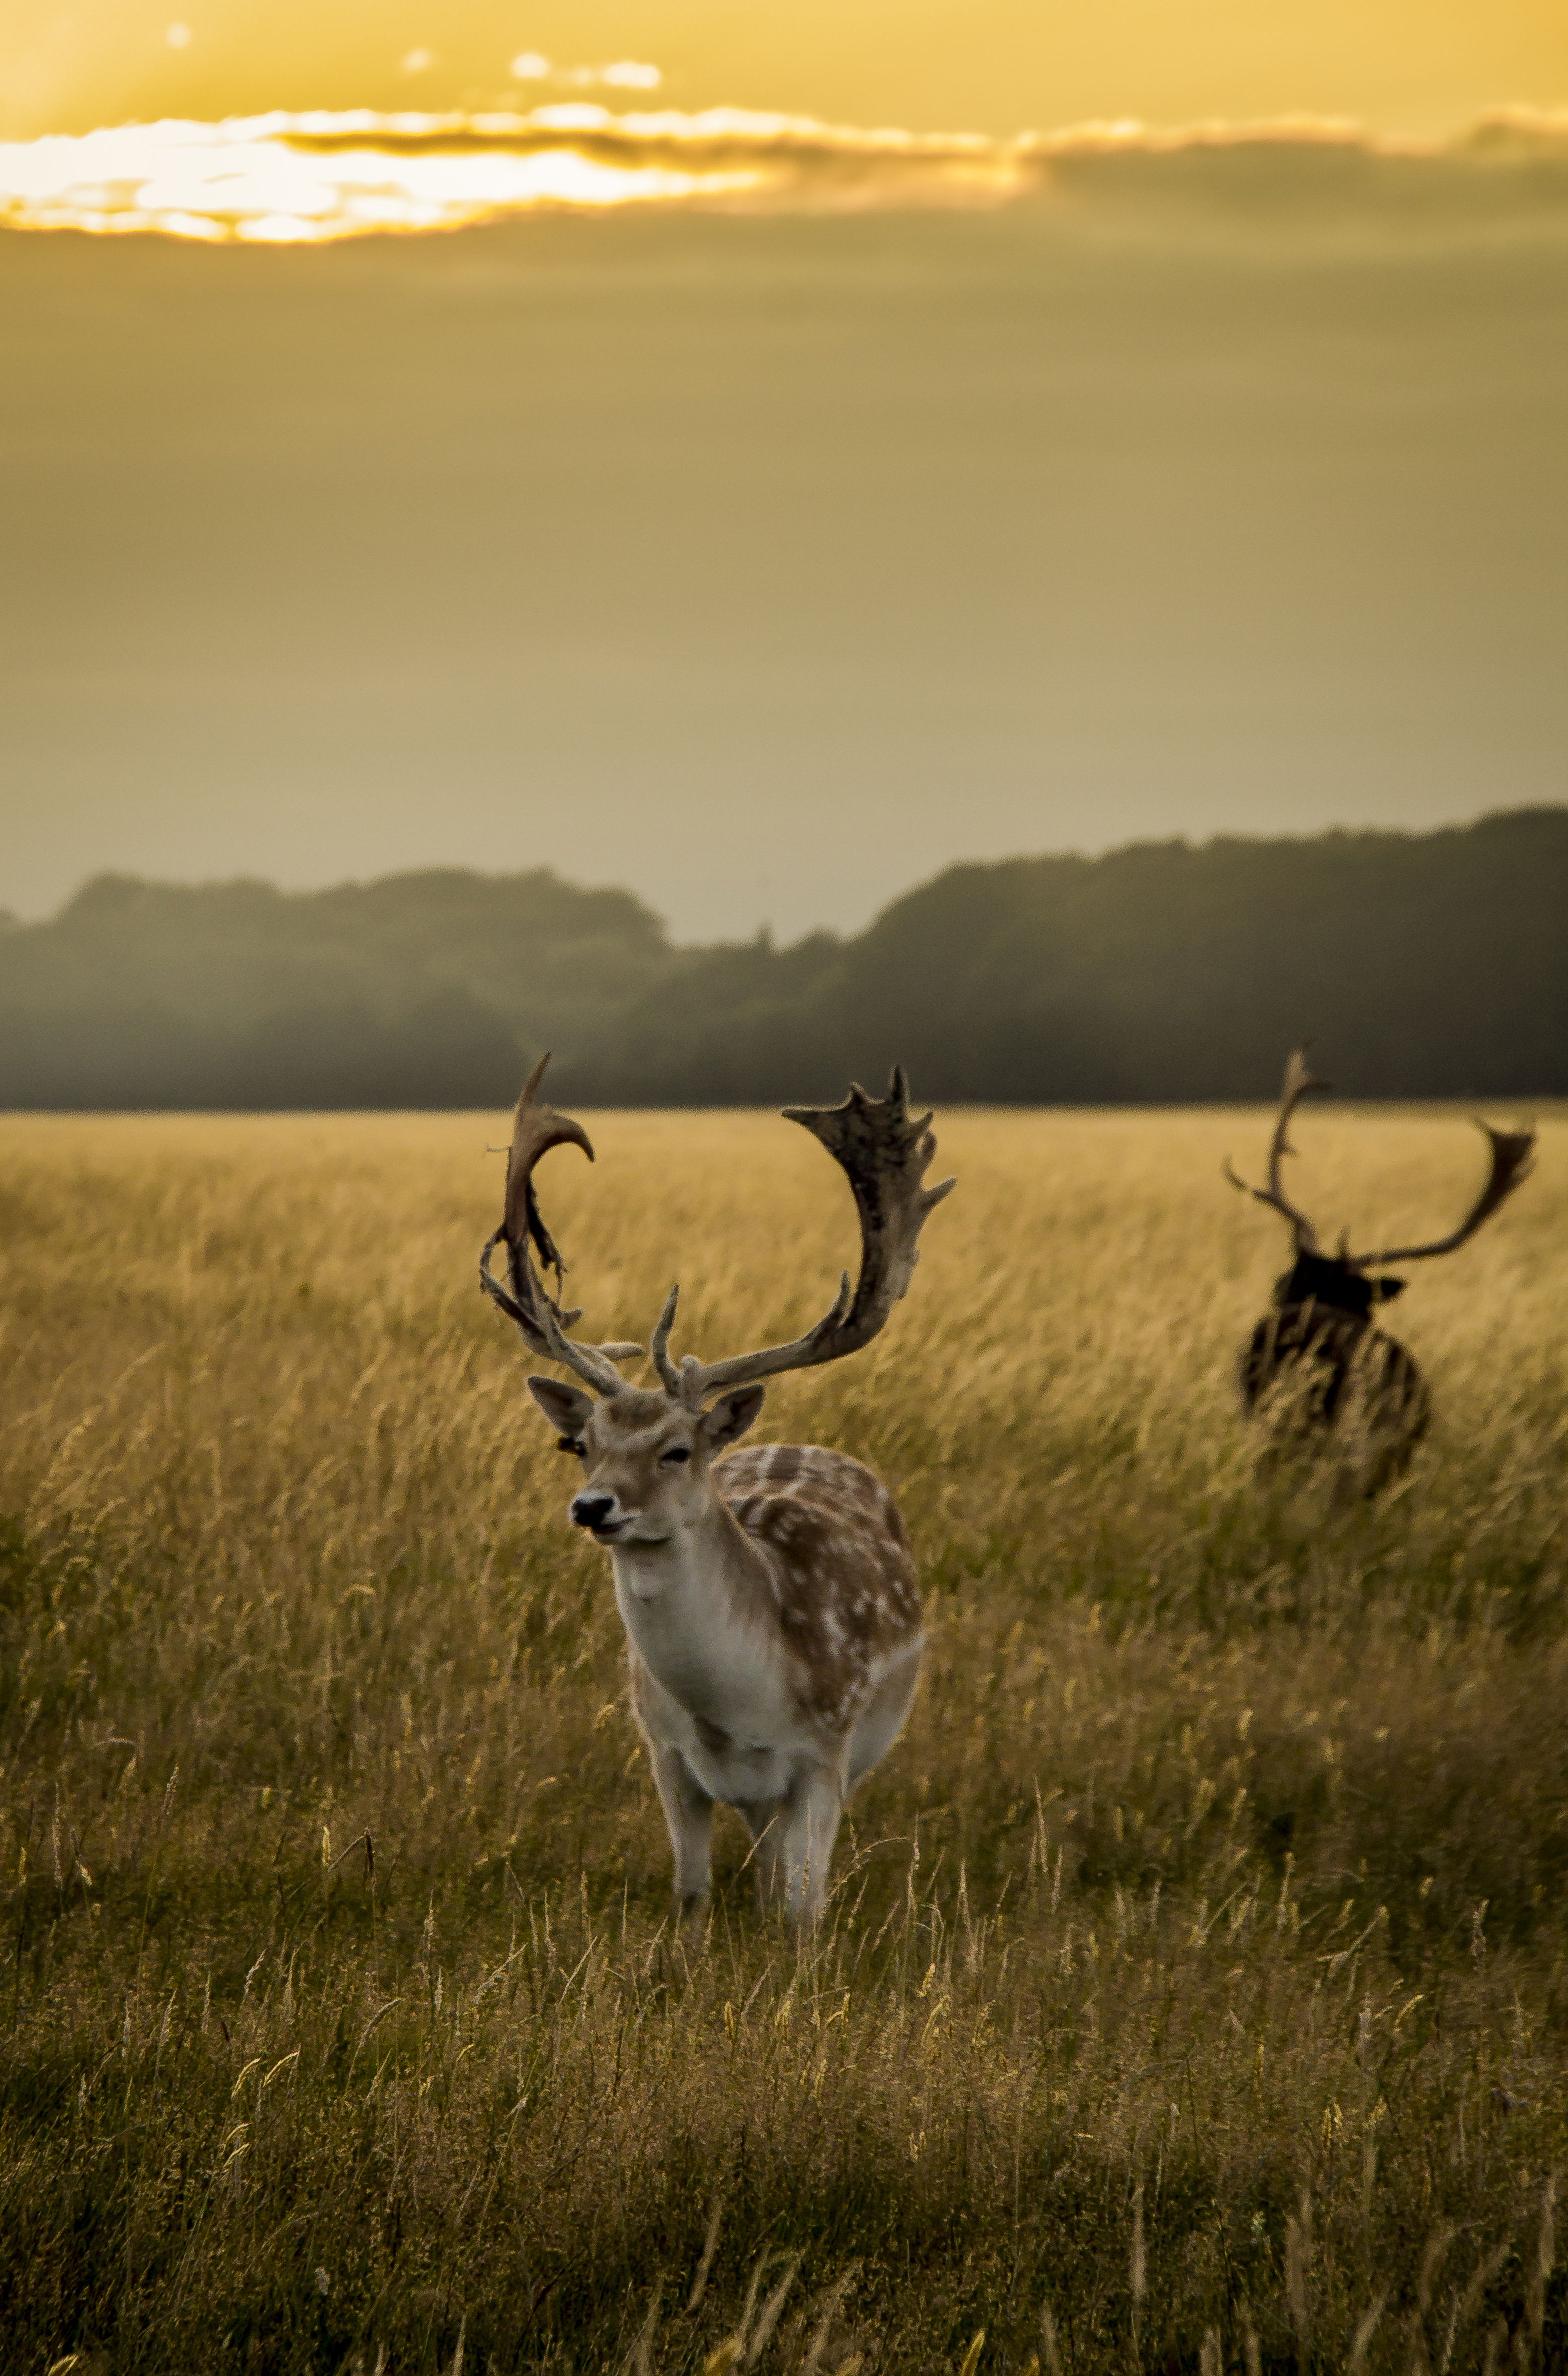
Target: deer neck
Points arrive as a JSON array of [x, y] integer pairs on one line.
[[690, 1603]]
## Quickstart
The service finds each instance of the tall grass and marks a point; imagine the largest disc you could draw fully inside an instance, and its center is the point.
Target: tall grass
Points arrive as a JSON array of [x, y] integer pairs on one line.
[[1193, 1995]]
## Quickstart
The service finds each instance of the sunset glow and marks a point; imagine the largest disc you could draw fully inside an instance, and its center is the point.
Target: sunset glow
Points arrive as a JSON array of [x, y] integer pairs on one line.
[[330, 175], [326, 177]]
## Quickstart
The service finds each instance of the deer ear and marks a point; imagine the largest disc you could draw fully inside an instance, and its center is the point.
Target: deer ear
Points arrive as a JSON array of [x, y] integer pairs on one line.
[[567, 1407], [1385, 1289], [731, 1415]]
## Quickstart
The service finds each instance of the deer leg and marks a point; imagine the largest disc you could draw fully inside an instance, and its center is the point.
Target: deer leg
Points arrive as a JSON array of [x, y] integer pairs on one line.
[[808, 1829], [688, 1812]]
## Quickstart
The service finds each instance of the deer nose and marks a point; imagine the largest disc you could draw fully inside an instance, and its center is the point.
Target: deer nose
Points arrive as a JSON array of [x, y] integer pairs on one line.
[[591, 1509]]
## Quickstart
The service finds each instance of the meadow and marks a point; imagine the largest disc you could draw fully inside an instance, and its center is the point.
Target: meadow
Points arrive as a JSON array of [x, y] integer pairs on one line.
[[1194, 1992]]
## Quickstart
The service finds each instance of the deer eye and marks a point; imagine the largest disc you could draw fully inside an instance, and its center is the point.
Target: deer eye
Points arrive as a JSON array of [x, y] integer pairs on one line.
[[570, 1443], [674, 1456]]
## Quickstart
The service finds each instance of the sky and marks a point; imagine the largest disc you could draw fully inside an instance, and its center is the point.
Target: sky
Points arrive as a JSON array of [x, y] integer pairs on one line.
[[747, 511], [989, 65]]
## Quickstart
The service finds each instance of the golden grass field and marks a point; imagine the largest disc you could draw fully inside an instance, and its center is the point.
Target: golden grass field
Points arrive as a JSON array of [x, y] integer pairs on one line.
[[1194, 1994]]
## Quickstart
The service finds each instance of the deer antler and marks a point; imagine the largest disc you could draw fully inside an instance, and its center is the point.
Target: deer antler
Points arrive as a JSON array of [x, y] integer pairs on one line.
[[536, 1128], [884, 1156], [1297, 1083], [1512, 1154]]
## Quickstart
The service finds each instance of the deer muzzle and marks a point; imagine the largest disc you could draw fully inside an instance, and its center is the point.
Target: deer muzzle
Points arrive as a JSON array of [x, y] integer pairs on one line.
[[601, 1513]]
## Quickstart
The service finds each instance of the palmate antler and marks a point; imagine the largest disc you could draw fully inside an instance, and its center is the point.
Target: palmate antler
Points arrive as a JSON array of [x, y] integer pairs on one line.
[[884, 1156], [536, 1128], [1512, 1153], [1298, 1082]]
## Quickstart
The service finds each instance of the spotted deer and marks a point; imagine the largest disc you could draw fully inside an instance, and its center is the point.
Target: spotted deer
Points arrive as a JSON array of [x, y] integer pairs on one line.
[[770, 1602], [1316, 1366]]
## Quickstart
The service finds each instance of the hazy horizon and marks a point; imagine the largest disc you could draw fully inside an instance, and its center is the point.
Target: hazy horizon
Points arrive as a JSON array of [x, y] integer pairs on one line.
[[93, 875]]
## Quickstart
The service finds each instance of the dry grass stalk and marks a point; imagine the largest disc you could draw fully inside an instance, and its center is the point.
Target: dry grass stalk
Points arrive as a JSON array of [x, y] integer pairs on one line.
[[1137, 2271], [640, 2361], [1297, 2269], [1433, 2259], [1468, 2303], [767, 2317], [1546, 2243], [710, 2245], [828, 2307], [1366, 2327]]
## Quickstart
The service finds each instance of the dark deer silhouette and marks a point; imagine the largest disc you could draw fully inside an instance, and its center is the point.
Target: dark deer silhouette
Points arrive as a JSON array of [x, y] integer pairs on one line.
[[1316, 1367]]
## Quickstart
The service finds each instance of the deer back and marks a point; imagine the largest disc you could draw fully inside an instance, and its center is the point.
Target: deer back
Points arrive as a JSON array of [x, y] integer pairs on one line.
[[1315, 1370]]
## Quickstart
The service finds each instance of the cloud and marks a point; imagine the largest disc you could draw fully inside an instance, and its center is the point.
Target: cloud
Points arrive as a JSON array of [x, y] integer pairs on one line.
[[1316, 173], [621, 73], [333, 175], [630, 74]]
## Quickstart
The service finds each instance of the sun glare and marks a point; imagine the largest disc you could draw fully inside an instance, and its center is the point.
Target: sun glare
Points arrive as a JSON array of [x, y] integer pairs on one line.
[[327, 177]]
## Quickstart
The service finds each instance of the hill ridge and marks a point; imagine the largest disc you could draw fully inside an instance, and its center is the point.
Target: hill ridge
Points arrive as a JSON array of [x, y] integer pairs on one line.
[[1423, 965]]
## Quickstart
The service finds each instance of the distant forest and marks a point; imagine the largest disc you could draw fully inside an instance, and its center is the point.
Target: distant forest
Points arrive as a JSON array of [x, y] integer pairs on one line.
[[1431, 965]]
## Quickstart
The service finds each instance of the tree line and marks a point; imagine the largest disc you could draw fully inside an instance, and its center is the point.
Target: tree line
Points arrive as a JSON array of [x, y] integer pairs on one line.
[[1421, 965]]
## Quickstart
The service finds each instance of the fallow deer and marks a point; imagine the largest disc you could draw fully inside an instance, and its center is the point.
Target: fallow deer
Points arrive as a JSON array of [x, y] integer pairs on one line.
[[771, 1606], [1316, 1365]]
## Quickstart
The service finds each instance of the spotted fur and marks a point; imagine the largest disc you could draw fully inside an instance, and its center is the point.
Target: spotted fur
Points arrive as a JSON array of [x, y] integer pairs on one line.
[[838, 1563]]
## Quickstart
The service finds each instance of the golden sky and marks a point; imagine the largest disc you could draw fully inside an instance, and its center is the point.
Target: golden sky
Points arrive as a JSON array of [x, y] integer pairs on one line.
[[993, 66], [944, 499]]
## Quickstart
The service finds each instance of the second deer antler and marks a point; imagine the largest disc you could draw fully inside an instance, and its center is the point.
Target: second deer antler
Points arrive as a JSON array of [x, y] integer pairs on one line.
[[1298, 1082]]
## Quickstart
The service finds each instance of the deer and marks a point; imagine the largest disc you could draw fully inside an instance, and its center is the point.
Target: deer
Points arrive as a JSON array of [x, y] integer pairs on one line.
[[1316, 1365], [770, 1602]]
